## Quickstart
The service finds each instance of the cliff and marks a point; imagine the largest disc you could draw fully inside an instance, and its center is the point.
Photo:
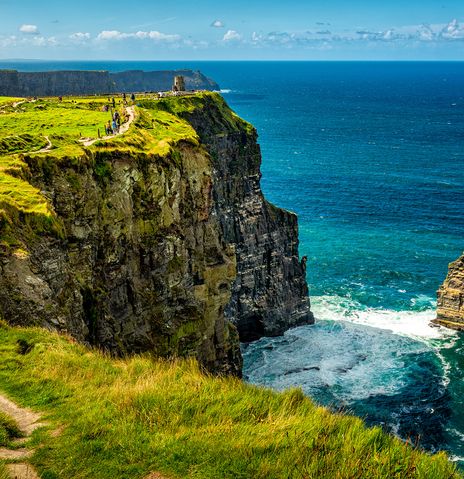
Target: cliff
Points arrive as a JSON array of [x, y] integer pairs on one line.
[[53, 83], [156, 240], [450, 297]]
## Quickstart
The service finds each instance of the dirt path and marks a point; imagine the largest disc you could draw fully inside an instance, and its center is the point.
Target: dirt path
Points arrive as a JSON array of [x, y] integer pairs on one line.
[[17, 103], [45, 148], [123, 129], [27, 421]]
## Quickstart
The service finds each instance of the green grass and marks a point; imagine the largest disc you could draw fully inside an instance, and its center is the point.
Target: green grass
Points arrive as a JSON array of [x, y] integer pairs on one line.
[[21, 195], [7, 100], [8, 430], [63, 122], [3, 473], [127, 418], [154, 133]]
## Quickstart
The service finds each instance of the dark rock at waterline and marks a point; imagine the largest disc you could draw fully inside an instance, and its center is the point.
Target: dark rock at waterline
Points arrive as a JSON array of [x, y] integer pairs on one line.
[[300, 370]]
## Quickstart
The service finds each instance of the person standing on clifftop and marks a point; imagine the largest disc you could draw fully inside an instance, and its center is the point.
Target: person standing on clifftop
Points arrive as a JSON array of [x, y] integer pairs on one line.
[[133, 97], [116, 118]]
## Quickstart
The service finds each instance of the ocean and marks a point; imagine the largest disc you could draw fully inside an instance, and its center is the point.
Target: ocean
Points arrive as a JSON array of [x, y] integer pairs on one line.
[[370, 156]]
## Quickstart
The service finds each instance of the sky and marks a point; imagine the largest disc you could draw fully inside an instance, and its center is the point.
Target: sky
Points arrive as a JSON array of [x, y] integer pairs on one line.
[[226, 30]]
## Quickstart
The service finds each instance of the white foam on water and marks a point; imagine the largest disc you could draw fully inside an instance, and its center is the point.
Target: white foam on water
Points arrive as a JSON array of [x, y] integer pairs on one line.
[[225, 90], [413, 324]]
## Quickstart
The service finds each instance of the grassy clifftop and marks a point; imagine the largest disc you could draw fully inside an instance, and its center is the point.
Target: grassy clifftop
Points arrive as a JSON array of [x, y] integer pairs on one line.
[[39, 136], [129, 418]]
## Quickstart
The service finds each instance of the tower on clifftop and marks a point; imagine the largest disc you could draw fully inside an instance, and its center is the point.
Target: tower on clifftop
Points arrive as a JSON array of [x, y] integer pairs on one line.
[[179, 83]]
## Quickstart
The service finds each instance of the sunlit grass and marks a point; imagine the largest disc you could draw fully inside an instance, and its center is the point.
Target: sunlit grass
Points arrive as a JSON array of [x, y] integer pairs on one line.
[[50, 118], [8, 99], [22, 195], [9, 430], [126, 418], [3, 472]]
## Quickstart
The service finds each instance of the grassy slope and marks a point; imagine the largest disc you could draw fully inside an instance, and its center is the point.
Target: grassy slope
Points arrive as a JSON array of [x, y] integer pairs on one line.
[[125, 418], [3, 473], [8, 430]]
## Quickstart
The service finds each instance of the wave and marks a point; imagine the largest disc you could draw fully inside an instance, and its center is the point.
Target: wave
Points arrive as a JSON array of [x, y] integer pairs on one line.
[[413, 324]]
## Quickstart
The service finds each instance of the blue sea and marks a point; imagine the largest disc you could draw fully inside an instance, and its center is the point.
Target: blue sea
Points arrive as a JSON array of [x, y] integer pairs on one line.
[[371, 158]]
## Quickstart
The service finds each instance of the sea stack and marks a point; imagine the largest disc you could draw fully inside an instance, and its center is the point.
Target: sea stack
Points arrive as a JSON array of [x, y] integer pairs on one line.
[[450, 297]]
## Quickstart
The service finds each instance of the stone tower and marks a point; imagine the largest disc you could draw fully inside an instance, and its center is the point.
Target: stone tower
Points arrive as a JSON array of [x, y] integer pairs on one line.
[[179, 83]]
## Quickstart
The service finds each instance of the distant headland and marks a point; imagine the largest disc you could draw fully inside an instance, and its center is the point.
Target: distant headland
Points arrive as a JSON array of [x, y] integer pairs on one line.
[[55, 83]]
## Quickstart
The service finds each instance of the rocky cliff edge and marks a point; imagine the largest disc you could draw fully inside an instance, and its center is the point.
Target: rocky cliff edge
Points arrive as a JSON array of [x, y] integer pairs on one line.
[[156, 240]]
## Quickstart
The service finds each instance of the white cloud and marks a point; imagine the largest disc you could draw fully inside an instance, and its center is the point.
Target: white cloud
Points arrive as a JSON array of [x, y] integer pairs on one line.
[[110, 35], [80, 36], [158, 36], [232, 36], [29, 29], [140, 35], [422, 33], [23, 41], [44, 41], [407, 35], [217, 24], [453, 31], [10, 41]]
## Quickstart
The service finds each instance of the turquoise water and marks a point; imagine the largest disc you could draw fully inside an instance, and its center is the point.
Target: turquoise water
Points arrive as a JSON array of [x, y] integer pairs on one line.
[[371, 157]]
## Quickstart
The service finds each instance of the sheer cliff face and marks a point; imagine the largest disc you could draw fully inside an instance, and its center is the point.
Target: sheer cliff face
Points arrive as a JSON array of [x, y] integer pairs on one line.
[[175, 254], [450, 297], [53, 83], [270, 294]]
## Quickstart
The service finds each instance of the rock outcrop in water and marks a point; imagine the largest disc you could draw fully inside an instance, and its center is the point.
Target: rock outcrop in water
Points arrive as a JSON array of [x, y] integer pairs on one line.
[[53, 83], [450, 297], [176, 253]]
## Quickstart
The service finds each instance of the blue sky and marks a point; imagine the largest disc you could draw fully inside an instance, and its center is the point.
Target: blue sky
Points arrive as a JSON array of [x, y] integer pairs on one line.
[[242, 29]]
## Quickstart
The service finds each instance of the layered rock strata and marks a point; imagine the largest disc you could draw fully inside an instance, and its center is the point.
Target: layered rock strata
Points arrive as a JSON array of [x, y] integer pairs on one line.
[[270, 294], [450, 297]]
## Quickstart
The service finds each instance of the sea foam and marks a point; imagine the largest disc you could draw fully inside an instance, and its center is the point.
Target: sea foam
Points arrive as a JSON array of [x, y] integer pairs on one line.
[[413, 324]]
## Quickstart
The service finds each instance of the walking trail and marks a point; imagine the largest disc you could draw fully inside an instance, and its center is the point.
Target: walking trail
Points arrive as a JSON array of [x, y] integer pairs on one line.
[[123, 129], [16, 457], [27, 421], [46, 148]]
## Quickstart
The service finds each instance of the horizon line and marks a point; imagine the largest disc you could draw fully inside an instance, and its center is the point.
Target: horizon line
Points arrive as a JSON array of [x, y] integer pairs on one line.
[[239, 60]]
